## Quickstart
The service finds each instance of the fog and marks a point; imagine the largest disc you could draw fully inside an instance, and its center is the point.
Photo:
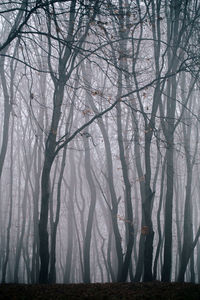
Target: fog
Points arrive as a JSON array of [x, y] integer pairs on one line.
[[99, 143]]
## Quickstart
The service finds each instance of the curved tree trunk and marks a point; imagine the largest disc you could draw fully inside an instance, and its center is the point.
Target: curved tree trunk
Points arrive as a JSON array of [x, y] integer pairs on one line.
[[88, 233], [109, 177]]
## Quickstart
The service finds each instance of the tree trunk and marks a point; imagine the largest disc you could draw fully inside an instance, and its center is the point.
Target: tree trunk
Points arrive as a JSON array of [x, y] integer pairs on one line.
[[4, 268]]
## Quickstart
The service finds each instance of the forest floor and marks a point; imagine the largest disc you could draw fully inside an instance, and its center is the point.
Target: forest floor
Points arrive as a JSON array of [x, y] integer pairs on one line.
[[98, 291]]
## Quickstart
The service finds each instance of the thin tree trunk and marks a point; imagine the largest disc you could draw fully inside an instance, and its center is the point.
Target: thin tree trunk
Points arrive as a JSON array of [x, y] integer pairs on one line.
[[70, 217], [92, 188], [4, 268]]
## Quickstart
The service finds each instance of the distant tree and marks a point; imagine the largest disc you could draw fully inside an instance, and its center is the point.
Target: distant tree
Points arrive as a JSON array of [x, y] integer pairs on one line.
[[178, 35]]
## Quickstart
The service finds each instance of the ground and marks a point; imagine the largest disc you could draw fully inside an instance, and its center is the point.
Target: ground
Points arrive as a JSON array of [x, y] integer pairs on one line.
[[98, 291]]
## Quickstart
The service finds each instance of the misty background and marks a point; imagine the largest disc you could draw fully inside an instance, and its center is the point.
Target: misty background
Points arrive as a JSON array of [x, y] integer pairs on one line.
[[99, 143]]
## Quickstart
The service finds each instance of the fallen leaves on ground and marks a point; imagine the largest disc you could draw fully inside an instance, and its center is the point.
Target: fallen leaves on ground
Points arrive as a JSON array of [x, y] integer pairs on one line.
[[102, 291]]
